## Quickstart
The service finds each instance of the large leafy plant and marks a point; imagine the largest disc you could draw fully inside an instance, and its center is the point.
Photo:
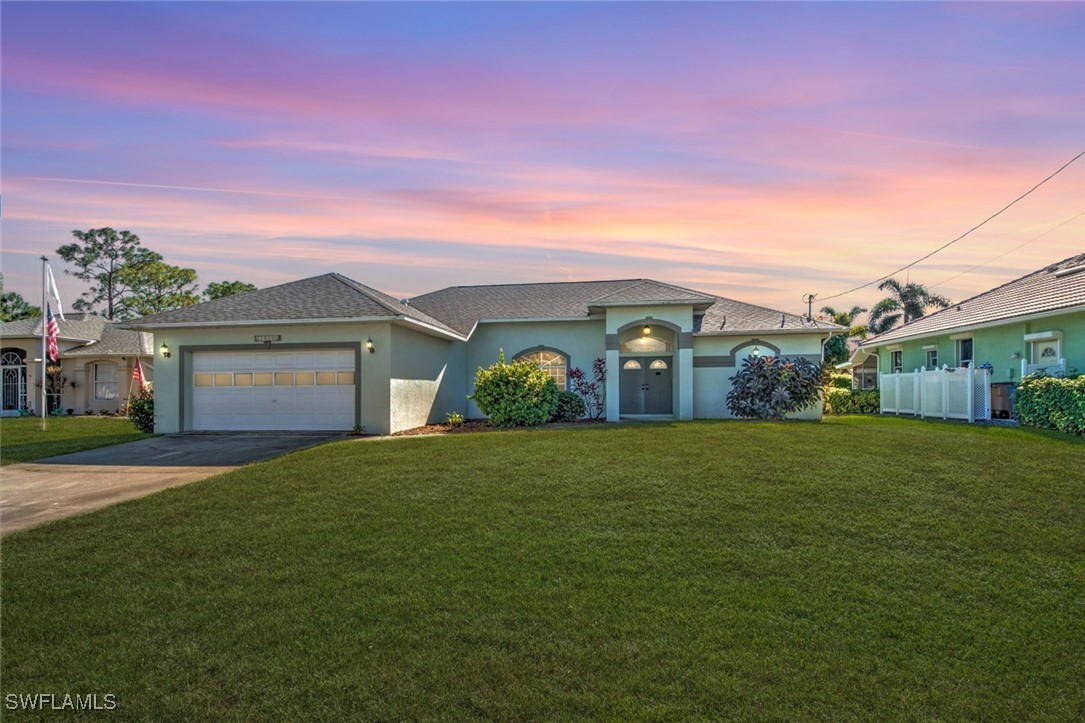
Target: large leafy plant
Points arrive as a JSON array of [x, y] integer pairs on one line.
[[768, 387], [515, 395], [1051, 402], [592, 391]]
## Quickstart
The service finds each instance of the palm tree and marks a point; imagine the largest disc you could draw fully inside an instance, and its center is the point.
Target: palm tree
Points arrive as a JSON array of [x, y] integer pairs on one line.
[[908, 302], [846, 318]]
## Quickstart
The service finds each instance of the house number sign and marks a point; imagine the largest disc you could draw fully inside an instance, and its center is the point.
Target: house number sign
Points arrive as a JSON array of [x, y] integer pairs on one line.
[[268, 338]]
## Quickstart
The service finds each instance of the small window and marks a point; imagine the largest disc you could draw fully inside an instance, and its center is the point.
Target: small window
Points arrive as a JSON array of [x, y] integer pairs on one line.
[[645, 345], [261, 379], [1045, 351], [551, 362], [304, 379], [964, 352], [224, 380], [105, 382], [325, 378], [658, 364], [201, 380], [896, 360], [631, 364], [344, 378], [243, 379], [284, 379], [932, 358]]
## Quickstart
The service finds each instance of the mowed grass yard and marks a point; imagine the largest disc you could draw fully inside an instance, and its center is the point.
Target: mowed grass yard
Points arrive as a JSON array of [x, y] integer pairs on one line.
[[22, 438], [858, 568]]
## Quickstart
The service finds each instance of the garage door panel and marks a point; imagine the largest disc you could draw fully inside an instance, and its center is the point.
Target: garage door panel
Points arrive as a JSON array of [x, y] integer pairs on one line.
[[281, 405]]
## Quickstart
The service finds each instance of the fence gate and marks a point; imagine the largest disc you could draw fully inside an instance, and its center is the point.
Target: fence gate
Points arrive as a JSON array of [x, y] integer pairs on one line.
[[944, 393]]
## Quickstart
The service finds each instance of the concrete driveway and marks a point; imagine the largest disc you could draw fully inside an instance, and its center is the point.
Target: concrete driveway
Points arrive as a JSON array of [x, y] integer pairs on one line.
[[37, 492]]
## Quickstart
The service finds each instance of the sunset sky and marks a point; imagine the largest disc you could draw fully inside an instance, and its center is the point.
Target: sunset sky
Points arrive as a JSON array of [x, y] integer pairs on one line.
[[758, 151]]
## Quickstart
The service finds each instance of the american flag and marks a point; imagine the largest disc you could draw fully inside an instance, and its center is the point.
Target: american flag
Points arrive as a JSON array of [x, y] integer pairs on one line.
[[52, 331], [137, 375]]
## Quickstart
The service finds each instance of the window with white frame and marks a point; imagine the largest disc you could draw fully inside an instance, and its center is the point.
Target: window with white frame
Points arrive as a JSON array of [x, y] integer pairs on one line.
[[931, 354], [553, 363], [896, 360], [105, 382], [1045, 351], [965, 356]]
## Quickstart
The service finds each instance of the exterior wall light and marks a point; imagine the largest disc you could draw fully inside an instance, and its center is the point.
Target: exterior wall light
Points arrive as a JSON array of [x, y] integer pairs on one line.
[[756, 350], [369, 345], [1015, 355], [165, 349], [647, 326]]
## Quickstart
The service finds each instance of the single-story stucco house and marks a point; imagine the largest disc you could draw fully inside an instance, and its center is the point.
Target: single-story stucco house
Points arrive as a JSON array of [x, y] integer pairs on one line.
[[328, 353], [1036, 322], [96, 361]]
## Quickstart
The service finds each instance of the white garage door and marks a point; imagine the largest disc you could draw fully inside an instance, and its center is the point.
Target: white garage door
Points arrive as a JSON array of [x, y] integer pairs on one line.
[[273, 390]]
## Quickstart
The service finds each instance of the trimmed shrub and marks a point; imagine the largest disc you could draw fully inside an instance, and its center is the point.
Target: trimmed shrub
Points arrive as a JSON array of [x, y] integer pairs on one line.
[[570, 407], [141, 411], [1051, 403], [767, 387], [852, 401], [515, 395], [840, 381]]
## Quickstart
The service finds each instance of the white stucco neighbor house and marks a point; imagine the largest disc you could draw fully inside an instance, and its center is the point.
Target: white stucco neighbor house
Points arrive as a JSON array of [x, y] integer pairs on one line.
[[328, 353], [96, 361]]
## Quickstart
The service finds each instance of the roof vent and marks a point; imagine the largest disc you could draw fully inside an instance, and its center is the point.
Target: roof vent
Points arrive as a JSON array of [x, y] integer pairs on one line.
[[1070, 270]]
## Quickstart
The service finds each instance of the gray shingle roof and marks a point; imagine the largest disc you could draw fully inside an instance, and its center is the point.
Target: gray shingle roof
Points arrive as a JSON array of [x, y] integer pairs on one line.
[[462, 306], [648, 291], [330, 296], [116, 342], [74, 326], [105, 338], [728, 316], [1050, 289]]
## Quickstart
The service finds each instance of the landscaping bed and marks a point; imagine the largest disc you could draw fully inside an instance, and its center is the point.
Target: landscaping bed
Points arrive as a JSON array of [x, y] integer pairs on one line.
[[481, 425]]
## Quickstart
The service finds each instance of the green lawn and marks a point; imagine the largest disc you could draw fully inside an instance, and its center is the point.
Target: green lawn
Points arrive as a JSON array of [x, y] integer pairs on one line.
[[22, 439], [858, 568]]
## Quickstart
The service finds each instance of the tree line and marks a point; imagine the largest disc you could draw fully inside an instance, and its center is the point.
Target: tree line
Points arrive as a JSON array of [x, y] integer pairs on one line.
[[127, 280]]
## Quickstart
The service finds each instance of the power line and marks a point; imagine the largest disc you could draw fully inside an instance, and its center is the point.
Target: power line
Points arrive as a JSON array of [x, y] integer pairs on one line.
[[1007, 253], [950, 243]]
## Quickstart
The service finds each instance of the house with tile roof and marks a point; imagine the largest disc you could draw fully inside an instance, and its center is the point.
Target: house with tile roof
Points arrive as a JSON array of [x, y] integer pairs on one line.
[[1034, 323], [97, 358], [329, 353]]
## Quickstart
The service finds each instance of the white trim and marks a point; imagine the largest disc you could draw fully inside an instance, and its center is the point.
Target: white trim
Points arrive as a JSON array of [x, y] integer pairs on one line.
[[984, 325], [958, 337], [1044, 336], [930, 347]]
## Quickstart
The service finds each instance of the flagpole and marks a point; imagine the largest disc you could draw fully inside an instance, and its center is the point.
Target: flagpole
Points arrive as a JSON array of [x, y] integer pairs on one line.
[[44, 322]]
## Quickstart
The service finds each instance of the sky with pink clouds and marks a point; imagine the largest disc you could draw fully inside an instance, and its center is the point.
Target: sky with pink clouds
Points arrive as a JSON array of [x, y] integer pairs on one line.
[[754, 150]]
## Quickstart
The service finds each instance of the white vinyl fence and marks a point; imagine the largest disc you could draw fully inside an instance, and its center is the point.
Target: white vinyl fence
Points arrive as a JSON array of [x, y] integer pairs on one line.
[[945, 393]]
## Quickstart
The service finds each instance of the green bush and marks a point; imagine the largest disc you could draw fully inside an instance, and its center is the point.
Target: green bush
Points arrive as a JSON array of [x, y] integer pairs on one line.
[[570, 407], [852, 401], [515, 395], [454, 419], [141, 411], [840, 381], [768, 387], [1052, 403]]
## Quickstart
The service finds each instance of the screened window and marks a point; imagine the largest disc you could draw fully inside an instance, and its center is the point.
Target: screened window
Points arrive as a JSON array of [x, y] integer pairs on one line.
[[105, 382], [551, 362], [964, 352], [932, 358]]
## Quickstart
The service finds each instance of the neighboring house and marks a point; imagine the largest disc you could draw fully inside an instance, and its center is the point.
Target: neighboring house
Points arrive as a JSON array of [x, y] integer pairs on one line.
[[329, 353], [97, 358], [1036, 322]]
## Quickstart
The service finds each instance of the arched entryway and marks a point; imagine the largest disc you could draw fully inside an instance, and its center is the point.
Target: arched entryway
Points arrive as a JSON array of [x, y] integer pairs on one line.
[[12, 381], [646, 377]]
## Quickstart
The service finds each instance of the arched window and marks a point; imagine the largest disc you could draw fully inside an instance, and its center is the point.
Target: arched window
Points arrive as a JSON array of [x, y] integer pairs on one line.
[[11, 359], [658, 364], [553, 363], [631, 364], [658, 339]]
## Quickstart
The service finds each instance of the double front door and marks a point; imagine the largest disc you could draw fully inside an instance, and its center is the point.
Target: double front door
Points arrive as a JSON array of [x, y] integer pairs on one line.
[[645, 384]]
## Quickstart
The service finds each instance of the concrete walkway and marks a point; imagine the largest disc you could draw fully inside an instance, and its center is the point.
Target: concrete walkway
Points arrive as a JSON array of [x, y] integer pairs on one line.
[[34, 493]]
